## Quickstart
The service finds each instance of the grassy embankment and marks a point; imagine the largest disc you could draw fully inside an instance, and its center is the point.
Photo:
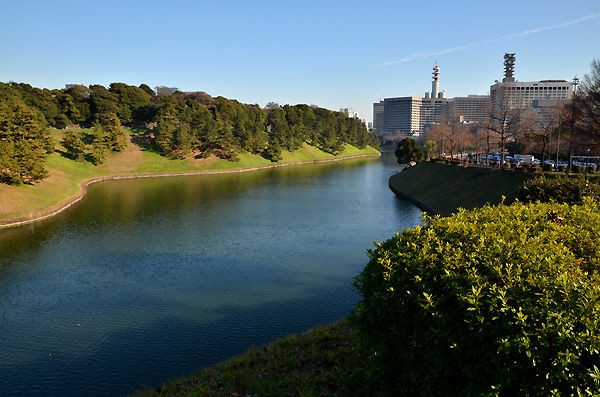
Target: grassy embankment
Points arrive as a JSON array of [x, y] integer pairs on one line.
[[319, 362], [68, 178], [441, 189]]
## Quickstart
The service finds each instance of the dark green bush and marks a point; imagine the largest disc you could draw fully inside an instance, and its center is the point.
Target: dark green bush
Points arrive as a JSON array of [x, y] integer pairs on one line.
[[498, 301], [578, 169], [560, 190]]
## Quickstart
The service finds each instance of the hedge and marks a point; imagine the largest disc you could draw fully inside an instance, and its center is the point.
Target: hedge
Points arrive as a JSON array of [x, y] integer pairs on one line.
[[497, 301]]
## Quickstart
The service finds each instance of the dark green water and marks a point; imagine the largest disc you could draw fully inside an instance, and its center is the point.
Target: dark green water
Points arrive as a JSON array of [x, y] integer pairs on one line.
[[149, 279]]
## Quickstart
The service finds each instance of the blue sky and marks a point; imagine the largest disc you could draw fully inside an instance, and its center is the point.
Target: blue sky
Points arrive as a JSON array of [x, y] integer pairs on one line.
[[332, 54]]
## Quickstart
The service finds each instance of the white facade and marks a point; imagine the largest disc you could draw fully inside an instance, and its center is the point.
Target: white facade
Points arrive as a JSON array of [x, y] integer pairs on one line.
[[523, 94], [350, 113]]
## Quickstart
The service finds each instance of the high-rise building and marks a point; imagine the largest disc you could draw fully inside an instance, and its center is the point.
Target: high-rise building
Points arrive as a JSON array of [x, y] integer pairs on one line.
[[410, 116], [402, 116], [472, 108], [378, 117], [539, 98]]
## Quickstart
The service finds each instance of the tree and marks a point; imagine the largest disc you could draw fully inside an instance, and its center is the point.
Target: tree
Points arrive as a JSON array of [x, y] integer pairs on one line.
[[409, 150], [109, 127], [450, 134], [543, 128], [103, 101], [69, 110], [74, 145], [24, 143], [507, 123], [587, 100], [132, 102], [430, 149]]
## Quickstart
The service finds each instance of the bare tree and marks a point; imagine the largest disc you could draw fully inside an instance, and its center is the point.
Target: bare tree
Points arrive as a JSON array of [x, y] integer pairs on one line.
[[575, 122], [450, 134], [543, 127], [588, 101], [507, 123]]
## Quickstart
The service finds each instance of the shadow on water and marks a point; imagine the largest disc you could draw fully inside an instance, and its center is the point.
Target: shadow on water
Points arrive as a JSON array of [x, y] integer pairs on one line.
[[171, 347]]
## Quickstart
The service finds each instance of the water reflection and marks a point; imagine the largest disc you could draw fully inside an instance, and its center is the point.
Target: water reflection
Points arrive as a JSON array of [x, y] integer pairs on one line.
[[148, 279]]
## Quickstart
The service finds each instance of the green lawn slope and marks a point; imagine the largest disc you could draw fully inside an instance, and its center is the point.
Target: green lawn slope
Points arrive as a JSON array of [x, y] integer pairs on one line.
[[440, 188]]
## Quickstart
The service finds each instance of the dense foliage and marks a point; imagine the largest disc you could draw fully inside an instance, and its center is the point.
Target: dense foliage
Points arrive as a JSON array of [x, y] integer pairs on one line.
[[498, 301], [409, 150], [24, 140], [199, 124], [175, 124], [564, 189]]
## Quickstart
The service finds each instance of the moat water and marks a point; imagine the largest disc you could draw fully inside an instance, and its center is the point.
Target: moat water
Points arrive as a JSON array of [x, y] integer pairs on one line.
[[150, 279]]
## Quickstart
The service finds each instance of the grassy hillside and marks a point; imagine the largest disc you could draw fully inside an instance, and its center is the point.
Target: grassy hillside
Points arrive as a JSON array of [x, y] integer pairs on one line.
[[67, 177], [441, 188]]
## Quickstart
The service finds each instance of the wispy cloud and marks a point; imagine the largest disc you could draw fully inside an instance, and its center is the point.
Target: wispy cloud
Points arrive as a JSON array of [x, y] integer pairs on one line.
[[434, 53]]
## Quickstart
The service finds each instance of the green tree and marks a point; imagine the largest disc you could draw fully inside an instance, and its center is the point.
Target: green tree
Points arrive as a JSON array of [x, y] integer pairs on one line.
[[74, 145], [327, 137], [133, 102], [430, 149], [69, 111], [409, 150], [103, 101], [42, 100], [109, 129], [81, 98], [24, 143]]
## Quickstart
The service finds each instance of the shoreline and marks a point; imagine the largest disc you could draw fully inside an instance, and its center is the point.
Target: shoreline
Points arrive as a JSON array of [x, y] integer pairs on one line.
[[84, 184]]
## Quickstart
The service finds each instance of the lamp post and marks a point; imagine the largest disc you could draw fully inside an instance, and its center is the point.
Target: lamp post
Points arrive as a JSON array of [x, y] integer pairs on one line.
[[575, 84], [587, 160]]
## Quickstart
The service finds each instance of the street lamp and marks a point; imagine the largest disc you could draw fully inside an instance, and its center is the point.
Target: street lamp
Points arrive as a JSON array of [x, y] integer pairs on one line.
[[587, 160], [575, 84]]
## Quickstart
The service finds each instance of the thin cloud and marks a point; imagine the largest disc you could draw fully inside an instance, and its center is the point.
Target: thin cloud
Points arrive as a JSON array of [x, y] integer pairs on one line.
[[434, 53]]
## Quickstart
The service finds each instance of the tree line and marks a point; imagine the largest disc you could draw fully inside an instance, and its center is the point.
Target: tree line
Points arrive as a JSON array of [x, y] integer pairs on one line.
[[175, 124], [570, 128]]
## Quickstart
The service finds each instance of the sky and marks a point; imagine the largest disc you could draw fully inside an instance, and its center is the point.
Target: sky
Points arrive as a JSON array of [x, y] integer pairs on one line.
[[329, 53]]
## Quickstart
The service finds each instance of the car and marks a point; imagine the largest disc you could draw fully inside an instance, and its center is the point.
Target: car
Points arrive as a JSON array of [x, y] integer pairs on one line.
[[549, 162]]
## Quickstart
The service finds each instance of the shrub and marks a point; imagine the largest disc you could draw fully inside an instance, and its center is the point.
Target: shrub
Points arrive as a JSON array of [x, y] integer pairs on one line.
[[495, 301], [578, 169], [561, 190]]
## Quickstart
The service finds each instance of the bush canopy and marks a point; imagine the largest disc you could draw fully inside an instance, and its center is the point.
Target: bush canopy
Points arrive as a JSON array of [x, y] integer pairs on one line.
[[497, 301]]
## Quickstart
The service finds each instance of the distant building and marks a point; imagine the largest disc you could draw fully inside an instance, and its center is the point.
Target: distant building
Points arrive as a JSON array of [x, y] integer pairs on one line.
[[397, 118], [378, 117], [538, 97], [402, 116], [350, 113], [473, 108], [162, 90]]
